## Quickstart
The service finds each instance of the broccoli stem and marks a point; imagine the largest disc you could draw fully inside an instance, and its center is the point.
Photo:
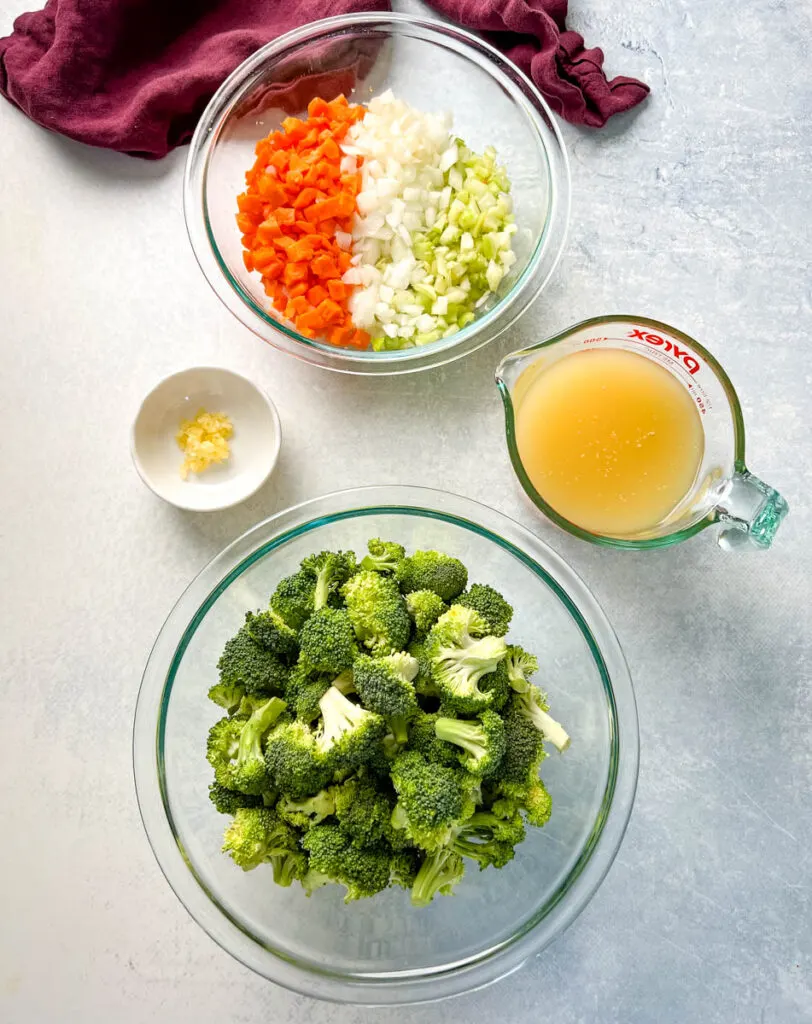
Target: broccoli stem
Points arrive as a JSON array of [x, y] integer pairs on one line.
[[468, 735], [438, 872], [399, 725], [550, 729]]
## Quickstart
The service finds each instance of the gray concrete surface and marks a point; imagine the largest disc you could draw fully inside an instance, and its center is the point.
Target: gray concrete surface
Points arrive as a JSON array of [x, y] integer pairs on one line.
[[696, 209]]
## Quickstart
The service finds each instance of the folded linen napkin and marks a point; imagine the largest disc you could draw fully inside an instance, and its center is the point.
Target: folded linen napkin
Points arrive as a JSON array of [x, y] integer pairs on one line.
[[135, 75]]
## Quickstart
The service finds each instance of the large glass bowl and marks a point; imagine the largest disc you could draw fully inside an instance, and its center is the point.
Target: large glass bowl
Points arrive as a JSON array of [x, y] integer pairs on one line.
[[433, 66], [384, 950]]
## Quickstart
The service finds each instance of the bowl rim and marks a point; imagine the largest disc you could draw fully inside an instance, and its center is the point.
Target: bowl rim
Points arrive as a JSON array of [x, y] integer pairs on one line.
[[498, 318], [595, 857], [146, 477]]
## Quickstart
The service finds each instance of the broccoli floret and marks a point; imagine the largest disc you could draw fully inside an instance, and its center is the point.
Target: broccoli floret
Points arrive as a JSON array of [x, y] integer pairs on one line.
[[531, 797], [423, 739], [378, 612], [383, 556], [304, 814], [482, 741], [293, 599], [304, 691], [497, 686], [458, 627], [348, 733], [246, 663], [439, 873], [485, 826], [490, 604], [226, 801], [519, 665], [330, 571], [294, 763], [425, 608], [432, 799], [524, 750], [491, 853], [384, 685], [255, 835], [458, 670], [228, 696], [248, 772], [288, 867], [423, 683], [431, 570], [363, 810], [533, 704], [405, 867], [327, 641], [221, 749], [272, 632], [364, 871]]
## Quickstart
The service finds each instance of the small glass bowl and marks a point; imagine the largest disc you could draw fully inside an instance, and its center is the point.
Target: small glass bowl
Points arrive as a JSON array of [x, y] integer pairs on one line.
[[433, 66], [383, 950]]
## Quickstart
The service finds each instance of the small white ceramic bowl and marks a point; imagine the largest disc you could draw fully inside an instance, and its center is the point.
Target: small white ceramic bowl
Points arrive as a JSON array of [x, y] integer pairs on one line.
[[254, 444]]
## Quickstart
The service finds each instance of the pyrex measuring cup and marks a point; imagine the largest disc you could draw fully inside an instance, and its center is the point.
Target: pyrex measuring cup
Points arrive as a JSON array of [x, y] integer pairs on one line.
[[724, 490]]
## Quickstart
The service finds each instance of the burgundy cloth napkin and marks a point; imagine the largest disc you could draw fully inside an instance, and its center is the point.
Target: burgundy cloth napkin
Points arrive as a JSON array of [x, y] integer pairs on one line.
[[135, 75]]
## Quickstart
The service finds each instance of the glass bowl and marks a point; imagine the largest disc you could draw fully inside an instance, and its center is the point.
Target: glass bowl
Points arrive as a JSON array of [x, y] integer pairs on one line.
[[384, 951], [429, 64]]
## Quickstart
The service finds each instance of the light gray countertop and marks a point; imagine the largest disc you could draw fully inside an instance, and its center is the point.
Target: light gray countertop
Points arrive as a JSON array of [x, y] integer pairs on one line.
[[695, 209]]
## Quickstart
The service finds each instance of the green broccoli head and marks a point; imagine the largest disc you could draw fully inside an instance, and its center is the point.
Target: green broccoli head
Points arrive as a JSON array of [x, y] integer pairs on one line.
[[485, 826], [228, 696], [533, 704], [384, 684], [248, 770], [305, 689], [293, 599], [293, 761], [423, 683], [405, 866], [458, 670], [524, 750], [458, 627], [327, 641], [349, 734], [431, 570], [519, 665], [272, 632], [363, 810], [491, 853], [246, 663], [531, 797], [310, 811], [383, 556], [432, 799], [496, 685], [288, 867], [482, 741], [423, 739], [255, 835], [440, 871], [226, 800], [490, 604], [330, 570], [378, 612], [222, 747], [363, 871], [425, 608]]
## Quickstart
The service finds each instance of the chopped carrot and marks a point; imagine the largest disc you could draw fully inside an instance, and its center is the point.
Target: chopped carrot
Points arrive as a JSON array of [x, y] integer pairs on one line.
[[337, 290], [295, 200]]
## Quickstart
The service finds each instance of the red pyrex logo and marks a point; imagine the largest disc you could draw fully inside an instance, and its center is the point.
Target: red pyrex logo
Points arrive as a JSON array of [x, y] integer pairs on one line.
[[690, 362]]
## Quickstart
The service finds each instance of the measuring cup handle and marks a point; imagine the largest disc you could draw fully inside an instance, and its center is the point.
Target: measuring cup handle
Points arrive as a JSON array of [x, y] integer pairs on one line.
[[751, 510]]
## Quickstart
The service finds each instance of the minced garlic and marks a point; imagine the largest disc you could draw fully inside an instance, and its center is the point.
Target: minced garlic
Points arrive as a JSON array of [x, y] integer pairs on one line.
[[203, 441]]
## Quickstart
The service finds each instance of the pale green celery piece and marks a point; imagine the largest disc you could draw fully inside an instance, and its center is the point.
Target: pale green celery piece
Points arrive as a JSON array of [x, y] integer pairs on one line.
[[455, 210], [451, 330], [379, 343], [466, 319], [428, 337], [451, 234]]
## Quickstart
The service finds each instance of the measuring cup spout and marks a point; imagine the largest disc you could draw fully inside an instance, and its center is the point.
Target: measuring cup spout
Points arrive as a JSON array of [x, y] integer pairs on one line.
[[750, 510]]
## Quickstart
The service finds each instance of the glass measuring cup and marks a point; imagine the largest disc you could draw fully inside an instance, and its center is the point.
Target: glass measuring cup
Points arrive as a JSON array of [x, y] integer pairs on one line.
[[724, 490]]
